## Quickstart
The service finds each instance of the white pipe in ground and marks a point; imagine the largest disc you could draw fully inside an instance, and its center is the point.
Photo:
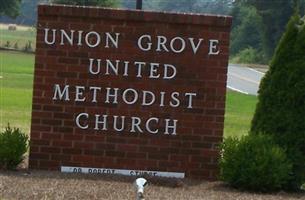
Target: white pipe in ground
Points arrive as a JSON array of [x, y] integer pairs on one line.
[[140, 183]]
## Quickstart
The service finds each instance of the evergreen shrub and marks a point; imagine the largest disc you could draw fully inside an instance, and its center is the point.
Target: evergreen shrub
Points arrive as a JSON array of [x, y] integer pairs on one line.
[[280, 111], [254, 163], [13, 145]]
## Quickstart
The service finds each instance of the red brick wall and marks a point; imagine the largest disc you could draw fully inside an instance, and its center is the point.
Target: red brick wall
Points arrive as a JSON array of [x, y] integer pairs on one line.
[[57, 141]]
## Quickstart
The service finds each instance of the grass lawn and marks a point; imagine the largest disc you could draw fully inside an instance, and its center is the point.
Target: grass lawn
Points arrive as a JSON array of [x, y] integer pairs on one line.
[[239, 111], [16, 70], [21, 36]]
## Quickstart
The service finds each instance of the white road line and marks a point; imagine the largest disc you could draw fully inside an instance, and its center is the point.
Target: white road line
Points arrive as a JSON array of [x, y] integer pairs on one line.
[[237, 90], [243, 78], [256, 71]]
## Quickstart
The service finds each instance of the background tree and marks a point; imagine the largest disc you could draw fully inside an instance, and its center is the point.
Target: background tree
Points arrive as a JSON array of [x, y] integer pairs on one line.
[[247, 30], [198, 6], [10, 7], [274, 16], [104, 3], [182, 5], [257, 24], [281, 107], [27, 15]]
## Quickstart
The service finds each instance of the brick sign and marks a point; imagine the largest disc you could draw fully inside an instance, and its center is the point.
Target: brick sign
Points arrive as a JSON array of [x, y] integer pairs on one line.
[[129, 92]]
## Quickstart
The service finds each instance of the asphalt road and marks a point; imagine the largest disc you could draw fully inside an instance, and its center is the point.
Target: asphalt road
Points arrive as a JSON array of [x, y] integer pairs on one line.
[[243, 79]]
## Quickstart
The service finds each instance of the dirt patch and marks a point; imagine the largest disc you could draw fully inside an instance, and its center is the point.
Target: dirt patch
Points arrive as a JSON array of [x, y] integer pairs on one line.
[[54, 185]]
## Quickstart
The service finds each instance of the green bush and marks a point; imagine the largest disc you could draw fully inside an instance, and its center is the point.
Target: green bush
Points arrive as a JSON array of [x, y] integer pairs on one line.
[[254, 163], [248, 55], [281, 101], [13, 145]]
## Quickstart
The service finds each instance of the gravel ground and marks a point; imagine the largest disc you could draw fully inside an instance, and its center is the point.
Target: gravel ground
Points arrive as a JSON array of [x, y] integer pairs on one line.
[[55, 185]]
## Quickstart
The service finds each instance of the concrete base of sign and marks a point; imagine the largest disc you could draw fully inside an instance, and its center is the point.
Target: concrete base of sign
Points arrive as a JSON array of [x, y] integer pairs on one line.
[[88, 170]]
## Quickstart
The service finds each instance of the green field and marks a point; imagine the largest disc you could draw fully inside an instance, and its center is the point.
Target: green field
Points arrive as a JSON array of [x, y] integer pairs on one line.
[[16, 84], [20, 37], [239, 111], [16, 97]]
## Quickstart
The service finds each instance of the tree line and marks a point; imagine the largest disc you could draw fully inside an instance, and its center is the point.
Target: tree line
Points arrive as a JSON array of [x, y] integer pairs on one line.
[[257, 25]]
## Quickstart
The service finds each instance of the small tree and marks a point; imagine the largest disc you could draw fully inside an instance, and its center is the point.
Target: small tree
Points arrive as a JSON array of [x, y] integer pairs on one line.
[[281, 107], [13, 145]]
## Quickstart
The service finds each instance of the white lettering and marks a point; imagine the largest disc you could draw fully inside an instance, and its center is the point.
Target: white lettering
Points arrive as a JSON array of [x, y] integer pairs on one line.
[[135, 96], [114, 41], [115, 68], [154, 70], [46, 35], [114, 95], [103, 122], [65, 35], [213, 47], [195, 47], [190, 95], [149, 44], [126, 65], [139, 66], [162, 43], [79, 92], [135, 123], [176, 102], [97, 39], [145, 98], [80, 36], [78, 119], [115, 122], [98, 70], [95, 89], [172, 44], [173, 127], [166, 71], [61, 94], [147, 125], [162, 99]]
